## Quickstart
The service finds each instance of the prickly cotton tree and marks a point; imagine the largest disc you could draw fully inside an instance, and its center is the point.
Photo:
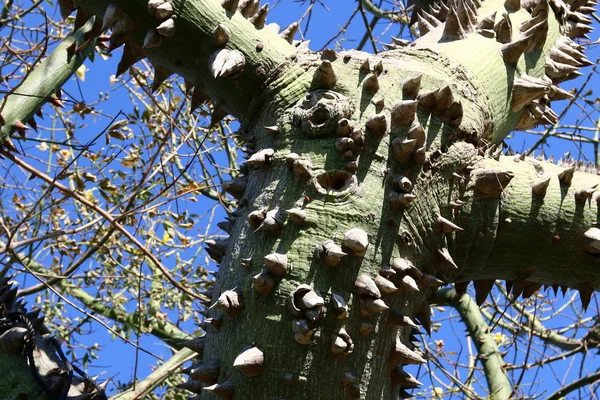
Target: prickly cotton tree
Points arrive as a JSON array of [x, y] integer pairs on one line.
[[371, 181]]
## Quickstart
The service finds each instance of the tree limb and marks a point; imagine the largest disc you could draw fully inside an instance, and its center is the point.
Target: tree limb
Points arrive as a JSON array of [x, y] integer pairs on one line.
[[571, 387], [488, 353], [145, 387]]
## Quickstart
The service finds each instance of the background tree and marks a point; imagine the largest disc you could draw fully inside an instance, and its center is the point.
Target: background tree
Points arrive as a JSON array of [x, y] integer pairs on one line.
[[124, 221]]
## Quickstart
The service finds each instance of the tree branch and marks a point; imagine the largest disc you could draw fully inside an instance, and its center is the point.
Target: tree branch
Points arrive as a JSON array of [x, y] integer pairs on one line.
[[145, 387], [45, 80], [378, 12], [547, 335], [108, 217], [193, 29], [491, 359], [562, 392]]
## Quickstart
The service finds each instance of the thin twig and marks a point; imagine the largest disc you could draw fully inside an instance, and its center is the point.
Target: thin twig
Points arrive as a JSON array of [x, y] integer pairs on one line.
[[106, 216], [562, 392], [342, 30], [67, 301], [368, 27]]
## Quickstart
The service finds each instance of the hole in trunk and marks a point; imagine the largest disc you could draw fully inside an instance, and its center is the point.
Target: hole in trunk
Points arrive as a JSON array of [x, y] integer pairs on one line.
[[335, 183], [320, 116]]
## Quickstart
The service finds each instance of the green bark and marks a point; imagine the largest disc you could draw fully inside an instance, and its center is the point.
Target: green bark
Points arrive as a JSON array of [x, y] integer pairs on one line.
[[44, 80], [522, 236], [313, 105], [145, 387], [188, 51]]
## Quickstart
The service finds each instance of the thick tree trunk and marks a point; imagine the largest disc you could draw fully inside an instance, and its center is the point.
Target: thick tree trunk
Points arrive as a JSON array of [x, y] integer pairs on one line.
[[371, 184]]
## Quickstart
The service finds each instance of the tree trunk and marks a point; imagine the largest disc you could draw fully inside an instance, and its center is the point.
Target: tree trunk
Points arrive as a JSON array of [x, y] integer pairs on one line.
[[372, 181]]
